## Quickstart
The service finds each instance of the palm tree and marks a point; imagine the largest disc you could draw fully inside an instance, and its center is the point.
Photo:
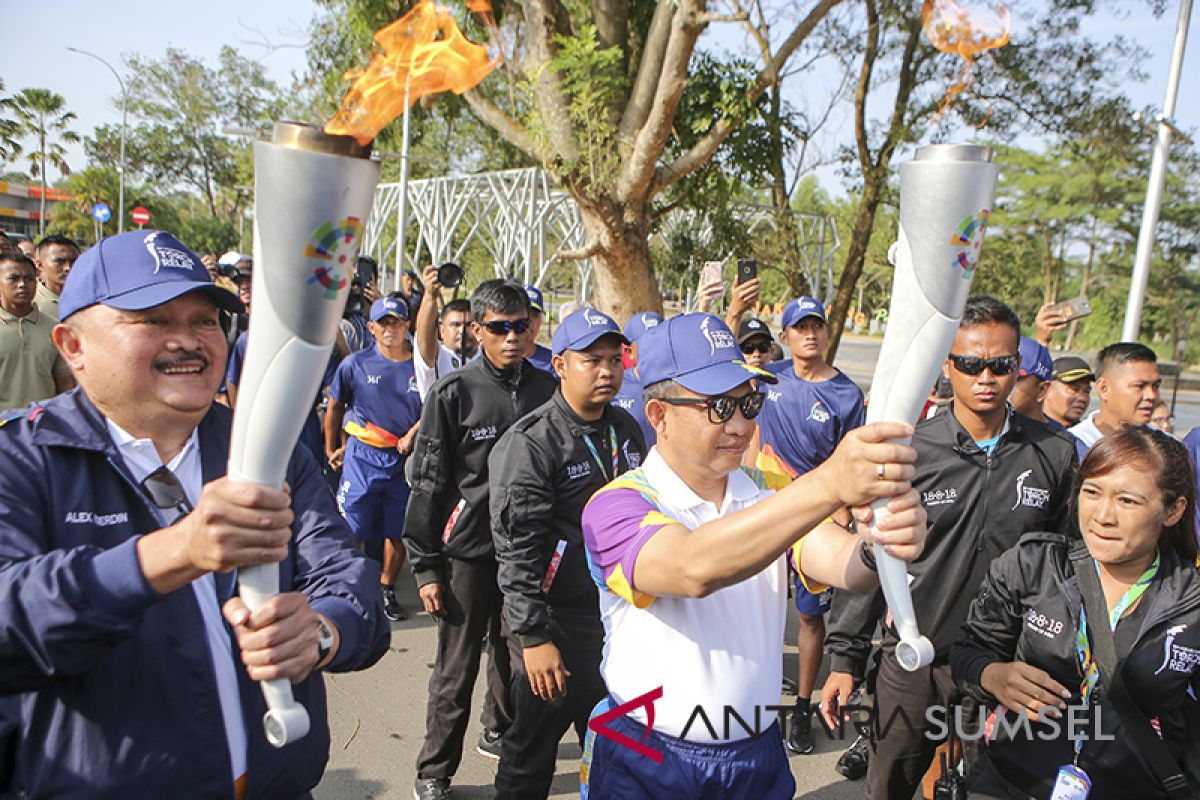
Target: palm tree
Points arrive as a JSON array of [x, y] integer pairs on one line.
[[40, 115], [10, 145]]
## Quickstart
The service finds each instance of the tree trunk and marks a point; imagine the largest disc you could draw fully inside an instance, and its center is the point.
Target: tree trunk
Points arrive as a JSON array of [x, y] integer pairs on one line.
[[1083, 283], [856, 256], [785, 218], [623, 281], [42, 208]]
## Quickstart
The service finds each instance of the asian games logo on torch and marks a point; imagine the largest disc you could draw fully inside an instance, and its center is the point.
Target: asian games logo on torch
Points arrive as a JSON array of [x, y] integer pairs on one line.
[[337, 247], [970, 237]]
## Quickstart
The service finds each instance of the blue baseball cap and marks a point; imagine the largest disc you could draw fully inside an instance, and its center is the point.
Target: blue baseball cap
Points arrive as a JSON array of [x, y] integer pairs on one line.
[[800, 308], [535, 298], [698, 352], [138, 270], [641, 322], [580, 329], [388, 306], [1035, 359]]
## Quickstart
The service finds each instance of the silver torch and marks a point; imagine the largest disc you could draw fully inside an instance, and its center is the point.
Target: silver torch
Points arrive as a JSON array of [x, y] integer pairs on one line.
[[312, 196], [946, 194]]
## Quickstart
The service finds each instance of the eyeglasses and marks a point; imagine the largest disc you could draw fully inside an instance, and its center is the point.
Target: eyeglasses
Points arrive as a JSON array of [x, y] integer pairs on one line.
[[166, 492], [502, 327], [1163, 420], [974, 365], [751, 347], [721, 407]]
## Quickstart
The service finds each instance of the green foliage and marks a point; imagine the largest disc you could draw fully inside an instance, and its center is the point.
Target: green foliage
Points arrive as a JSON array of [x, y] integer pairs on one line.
[[182, 107], [205, 234], [597, 87]]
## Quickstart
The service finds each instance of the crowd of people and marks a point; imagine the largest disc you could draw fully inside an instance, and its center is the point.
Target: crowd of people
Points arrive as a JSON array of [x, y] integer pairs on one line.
[[619, 522]]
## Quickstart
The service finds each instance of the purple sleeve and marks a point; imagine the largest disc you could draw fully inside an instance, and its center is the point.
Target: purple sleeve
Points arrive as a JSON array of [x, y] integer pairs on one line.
[[617, 523]]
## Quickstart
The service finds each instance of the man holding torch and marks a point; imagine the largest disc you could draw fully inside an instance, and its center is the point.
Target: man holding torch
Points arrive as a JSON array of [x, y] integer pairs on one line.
[[689, 552], [121, 627]]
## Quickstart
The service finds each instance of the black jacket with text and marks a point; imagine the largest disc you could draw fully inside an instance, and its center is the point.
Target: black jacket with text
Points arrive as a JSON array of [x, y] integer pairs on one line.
[[465, 414], [1028, 610], [543, 474], [979, 505]]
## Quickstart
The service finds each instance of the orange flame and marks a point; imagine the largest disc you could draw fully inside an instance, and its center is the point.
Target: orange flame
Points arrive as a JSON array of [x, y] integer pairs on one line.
[[425, 50], [953, 28]]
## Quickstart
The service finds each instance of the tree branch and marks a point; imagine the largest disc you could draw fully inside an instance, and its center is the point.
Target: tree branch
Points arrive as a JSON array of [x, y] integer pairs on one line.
[[543, 23], [863, 88], [638, 172], [741, 16], [704, 149], [653, 52], [512, 131], [590, 250]]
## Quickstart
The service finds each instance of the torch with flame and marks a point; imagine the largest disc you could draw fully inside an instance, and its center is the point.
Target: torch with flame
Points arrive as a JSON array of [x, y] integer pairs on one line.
[[424, 52], [967, 30], [945, 197], [313, 192]]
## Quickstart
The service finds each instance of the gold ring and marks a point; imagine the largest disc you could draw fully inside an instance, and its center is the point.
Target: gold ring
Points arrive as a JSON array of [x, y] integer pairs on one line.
[[879, 470]]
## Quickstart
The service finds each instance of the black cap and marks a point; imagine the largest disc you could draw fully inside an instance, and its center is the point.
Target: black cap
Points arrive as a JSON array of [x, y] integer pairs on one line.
[[1069, 369], [752, 327]]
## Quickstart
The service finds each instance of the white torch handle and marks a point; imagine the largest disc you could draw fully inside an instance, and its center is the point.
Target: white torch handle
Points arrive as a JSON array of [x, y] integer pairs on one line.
[[310, 203], [273, 405], [285, 720], [945, 195]]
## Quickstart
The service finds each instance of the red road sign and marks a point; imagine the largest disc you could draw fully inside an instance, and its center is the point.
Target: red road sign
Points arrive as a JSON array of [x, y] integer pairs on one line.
[[139, 215]]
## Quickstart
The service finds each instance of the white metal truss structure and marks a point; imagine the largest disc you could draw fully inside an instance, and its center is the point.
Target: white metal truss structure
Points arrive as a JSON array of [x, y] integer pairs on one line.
[[525, 223], [517, 215]]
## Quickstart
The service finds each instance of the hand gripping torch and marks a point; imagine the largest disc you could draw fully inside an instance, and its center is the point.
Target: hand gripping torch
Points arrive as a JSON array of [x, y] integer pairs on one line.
[[313, 194], [945, 197]]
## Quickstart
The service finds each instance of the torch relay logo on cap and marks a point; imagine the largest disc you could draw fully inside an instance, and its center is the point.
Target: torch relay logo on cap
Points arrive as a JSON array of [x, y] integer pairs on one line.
[[337, 245], [595, 318], [165, 256], [970, 237], [718, 338]]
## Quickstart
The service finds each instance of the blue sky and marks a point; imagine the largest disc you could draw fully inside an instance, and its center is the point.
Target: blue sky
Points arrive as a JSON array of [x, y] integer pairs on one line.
[[36, 34]]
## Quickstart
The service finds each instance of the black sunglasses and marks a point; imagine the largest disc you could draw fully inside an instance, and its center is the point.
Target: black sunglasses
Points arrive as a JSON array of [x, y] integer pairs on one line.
[[501, 327], [974, 365], [721, 407], [750, 347], [166, 492]]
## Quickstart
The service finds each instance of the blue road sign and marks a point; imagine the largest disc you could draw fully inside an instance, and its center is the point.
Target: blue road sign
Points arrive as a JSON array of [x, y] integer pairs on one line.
[[101, 212]]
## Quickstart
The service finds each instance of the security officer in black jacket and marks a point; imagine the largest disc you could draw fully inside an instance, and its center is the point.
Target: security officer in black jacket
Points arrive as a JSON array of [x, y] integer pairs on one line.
[[544, 470], [986, 476], [447, 530]]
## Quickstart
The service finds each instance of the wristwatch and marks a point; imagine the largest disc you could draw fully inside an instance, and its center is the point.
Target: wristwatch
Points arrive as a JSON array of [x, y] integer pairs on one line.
[[325, 640]]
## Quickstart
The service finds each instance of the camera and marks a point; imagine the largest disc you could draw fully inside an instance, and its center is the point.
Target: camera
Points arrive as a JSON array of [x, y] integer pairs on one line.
[[450, 275]]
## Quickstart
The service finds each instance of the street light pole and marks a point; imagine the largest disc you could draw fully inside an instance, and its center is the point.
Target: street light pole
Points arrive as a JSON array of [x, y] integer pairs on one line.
[[124, 128], [1158, 178]]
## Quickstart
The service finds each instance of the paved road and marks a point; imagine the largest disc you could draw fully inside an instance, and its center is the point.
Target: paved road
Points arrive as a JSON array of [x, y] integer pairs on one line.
[[378, 716], [377, 719]]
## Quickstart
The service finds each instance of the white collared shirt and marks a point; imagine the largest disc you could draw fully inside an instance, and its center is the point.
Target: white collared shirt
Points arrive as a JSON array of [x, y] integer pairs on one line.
[[723, 651], [141, 458], [446, 362], [1086, 431]]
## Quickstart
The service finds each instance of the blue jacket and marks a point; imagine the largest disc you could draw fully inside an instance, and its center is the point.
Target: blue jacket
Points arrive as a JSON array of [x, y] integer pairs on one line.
[[106, 687]]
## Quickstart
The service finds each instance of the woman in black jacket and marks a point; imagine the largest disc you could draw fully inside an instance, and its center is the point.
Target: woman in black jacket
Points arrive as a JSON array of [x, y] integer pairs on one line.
[[1021, 651]]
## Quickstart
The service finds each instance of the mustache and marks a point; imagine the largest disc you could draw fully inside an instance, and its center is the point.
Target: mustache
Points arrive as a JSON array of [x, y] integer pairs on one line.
[[186, 358]]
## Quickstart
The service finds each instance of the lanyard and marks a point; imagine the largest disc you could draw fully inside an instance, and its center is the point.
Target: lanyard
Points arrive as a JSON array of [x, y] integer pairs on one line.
[[1083, 647], [612, 448]]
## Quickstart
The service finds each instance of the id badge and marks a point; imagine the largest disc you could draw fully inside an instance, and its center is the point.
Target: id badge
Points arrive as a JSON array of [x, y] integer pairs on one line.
[[1072, 784]]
